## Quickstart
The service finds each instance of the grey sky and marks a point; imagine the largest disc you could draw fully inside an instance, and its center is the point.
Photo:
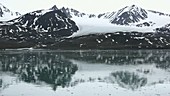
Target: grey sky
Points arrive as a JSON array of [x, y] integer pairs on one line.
[[89, 6]]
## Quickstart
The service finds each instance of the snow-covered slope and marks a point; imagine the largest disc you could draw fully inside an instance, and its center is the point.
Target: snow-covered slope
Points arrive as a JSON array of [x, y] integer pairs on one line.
[[100, 26], [127, 19], [6, 14], [158, 20]]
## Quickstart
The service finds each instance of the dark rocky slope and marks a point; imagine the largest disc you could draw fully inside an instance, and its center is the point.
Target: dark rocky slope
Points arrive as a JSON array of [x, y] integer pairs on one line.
[[118, 40], [36, 29]]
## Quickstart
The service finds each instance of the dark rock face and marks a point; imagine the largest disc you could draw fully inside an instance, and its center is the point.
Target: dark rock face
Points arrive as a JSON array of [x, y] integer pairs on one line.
[[54, 8], [164, 29], [100, 15], [145, 24], [66, 11], [70, 12], [1, 12], [128, 15], [38, 27], [108, 15], [160, 13]]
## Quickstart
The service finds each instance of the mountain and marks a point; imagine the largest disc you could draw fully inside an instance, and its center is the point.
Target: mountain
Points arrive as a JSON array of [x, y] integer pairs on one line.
[[137, 16], [54, 8], [133, 16], [37, 28], [44, 21], [6, 14], [128, 19], [129, 14], [131, 27], [70, 12]]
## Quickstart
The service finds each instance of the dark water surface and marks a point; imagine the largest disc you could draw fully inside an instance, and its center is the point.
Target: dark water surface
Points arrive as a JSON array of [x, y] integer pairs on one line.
[[85, 73]]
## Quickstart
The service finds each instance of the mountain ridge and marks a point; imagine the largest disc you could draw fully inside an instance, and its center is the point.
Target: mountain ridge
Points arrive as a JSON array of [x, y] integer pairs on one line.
[[129, 14], [55, 28], [36, 28], [7, 14]]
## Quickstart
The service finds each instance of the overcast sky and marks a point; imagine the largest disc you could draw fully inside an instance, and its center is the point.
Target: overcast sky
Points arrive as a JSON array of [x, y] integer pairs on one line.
[[88, 6]]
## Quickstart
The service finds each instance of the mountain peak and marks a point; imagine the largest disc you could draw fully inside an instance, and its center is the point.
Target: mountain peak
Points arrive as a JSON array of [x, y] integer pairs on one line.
[[129, 14], [54, 8], [133, 6]]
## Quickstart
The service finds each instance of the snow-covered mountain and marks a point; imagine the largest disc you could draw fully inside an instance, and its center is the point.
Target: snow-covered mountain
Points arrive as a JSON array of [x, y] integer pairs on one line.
[[129, 27], [70, 12], [128, 19], [129, 14], [75, 13], [38, 27], [140, 17], [6, 14], [134, 16], [50, 20]]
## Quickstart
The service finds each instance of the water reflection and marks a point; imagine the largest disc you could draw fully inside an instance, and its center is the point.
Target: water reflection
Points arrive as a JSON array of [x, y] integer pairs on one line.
[[124, 57], [34, 67], [129, 80], [0, 83], [130, 69]]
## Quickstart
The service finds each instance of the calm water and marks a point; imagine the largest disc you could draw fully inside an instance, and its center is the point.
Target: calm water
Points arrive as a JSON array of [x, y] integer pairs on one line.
[[85, 73]]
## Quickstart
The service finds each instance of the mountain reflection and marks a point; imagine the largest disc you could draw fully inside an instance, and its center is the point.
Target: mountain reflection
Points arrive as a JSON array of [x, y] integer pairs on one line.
[[0, 83], [129, 80], [35, 67], [161, 58], [57, 68]]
